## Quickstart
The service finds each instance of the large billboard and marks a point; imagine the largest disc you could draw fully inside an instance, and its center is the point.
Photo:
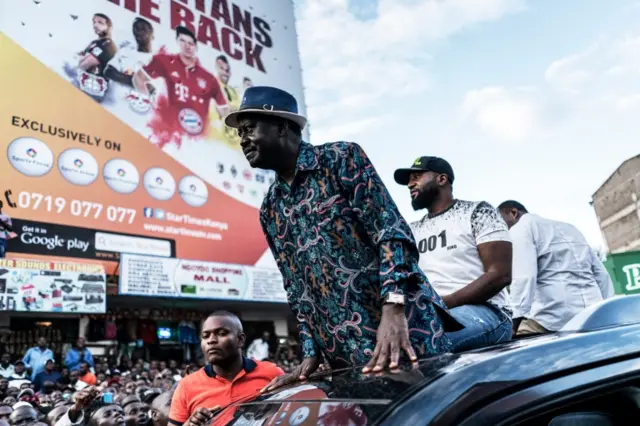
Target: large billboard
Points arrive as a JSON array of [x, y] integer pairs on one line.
[[111, 123]]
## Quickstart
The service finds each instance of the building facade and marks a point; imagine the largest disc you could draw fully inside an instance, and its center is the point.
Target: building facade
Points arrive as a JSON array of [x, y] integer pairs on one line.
[[617, 206]]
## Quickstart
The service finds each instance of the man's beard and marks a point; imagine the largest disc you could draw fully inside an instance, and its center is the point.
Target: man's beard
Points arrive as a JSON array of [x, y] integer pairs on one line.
[[425, 198]]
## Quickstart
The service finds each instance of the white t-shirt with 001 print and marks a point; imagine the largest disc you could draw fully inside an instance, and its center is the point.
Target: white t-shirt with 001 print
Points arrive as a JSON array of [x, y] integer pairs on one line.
[[448, 245]]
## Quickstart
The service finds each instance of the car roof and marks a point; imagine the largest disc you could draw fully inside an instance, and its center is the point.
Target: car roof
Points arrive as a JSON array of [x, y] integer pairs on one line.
[[435, 383]]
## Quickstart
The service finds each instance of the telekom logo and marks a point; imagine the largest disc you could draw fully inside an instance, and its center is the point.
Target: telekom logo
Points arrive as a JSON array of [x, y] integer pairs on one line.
[[633, 276], [182, 92]]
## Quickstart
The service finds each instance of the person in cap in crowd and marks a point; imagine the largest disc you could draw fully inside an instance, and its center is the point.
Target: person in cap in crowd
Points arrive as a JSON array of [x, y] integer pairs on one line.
[[159, 412], [19, 372], [556, 274], [135, 411], [29, 396], [464, 250], [85, 375], [115, 377], [5, 411], [48, 375], [23, 415], [326, 204], [77, 355], [36, 357], [227, 374], [6, 368]]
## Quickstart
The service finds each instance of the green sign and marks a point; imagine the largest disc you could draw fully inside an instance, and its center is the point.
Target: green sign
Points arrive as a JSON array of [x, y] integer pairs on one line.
[[625, 272]]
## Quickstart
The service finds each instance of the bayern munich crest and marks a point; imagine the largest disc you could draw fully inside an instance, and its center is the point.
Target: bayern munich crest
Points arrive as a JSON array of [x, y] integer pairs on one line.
[[92, 84], [190, 121]]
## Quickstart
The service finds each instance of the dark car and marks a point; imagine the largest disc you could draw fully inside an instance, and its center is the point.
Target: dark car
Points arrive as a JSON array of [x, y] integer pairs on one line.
[[586, 374]]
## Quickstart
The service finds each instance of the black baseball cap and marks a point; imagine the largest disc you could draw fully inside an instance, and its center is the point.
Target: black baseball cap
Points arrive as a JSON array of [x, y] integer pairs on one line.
[[424, 164]]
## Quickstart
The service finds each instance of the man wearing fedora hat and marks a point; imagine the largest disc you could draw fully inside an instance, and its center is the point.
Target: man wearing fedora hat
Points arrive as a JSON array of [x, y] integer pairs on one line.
[[348, 258]]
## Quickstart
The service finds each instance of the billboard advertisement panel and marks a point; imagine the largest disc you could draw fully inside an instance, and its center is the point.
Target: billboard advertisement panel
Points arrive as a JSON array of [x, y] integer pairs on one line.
[[170, 277], [64, 287], [111, 121]]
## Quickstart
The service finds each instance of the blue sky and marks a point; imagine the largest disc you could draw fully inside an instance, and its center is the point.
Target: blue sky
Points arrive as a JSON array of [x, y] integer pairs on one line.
[[532, 100]]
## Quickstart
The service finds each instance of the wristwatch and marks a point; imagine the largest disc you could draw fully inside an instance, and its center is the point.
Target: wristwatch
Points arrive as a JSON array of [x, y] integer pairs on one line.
[[394, 299]]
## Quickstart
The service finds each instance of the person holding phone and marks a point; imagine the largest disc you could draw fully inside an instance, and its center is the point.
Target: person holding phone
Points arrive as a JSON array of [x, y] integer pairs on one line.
[[91, 405]]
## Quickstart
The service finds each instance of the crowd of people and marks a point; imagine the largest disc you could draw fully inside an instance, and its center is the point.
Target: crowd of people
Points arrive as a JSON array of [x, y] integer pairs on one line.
[[40, 387]]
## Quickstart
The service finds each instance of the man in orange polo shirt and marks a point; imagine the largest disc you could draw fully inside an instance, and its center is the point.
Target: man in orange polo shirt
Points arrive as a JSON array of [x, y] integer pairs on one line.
[[228, 376]]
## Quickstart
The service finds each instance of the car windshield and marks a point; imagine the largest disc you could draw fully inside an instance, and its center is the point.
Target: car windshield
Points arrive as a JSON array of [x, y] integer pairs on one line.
[[345, 393]]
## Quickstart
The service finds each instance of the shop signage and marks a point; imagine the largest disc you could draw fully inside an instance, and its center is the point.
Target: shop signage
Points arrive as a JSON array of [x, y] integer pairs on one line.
[[624, 269], [28, 285], [170, 277]]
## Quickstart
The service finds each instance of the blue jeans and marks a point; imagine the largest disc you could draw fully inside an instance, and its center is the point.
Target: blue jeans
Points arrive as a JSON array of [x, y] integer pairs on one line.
[[484, 325], [3, 247]]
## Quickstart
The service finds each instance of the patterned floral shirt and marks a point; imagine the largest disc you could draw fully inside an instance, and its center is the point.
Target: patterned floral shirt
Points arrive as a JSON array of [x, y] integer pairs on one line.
[[342, 245]]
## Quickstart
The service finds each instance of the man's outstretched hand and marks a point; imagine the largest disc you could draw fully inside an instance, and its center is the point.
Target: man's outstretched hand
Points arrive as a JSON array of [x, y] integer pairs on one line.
[[299, 374], [201, 416], [392, 337], [82, 400]]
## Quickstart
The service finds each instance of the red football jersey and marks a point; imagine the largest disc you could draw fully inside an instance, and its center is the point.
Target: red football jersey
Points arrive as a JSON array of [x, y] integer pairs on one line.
[[185, 111]]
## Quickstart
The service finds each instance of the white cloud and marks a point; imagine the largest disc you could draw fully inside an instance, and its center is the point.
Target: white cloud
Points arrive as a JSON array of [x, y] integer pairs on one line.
[[602, 73], [580, 121], [566, 73], [503, 115], [353, 65]]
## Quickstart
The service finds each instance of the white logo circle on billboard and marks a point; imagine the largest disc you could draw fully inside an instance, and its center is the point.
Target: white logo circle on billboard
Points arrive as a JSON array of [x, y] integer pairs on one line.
[[299, 416], [30, 156], [193, 191], [121, 176], [159, 183], [78, 166], [190, 121]]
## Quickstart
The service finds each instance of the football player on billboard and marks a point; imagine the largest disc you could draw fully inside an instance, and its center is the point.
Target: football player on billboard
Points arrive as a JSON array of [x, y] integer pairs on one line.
[[184, 112], [127, 61], [94, 58]]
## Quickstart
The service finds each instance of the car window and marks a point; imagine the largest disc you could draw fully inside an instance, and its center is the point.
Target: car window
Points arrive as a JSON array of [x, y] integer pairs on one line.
[[617, 406]]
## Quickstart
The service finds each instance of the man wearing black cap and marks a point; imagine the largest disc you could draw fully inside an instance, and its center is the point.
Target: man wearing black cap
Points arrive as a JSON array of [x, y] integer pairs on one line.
[[348, 259], [464, 250]]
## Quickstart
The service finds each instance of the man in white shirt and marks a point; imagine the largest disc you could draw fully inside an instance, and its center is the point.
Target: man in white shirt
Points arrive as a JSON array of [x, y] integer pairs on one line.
[[6, 368], [259, 348], [124, 65], [556, 274], [464, 251]]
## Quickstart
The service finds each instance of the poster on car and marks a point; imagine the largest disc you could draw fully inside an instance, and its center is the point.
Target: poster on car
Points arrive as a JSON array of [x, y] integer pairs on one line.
[[112, 115], [170, 277], [63, 287]]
